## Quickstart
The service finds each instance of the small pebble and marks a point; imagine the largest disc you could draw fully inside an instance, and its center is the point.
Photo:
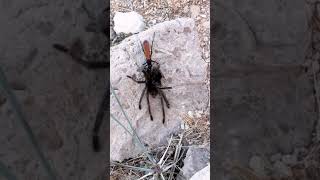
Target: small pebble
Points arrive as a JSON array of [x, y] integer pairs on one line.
[[130, 22], [195, 10], [206, 24], [190, 114], [186, 9]]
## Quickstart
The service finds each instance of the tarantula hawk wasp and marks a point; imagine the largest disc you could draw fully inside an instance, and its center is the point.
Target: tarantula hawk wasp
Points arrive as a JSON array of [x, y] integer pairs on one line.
[[73, 51], [153, 75]]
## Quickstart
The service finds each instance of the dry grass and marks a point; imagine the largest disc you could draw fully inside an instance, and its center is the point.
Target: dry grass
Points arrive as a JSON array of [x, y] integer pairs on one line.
[[169, 158], [197, 129], [117, 172]]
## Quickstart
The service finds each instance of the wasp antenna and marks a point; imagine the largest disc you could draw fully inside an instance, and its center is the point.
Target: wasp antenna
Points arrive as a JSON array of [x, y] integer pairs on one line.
[[142, 47], [154, 34], [152, 43]]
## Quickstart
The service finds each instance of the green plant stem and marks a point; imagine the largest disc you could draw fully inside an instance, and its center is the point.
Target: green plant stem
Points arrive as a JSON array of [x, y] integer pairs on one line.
[[134, 132]]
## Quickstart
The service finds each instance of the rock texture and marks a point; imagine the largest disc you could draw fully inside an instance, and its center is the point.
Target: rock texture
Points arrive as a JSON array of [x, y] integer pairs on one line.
[[196, 159], [176, 49]]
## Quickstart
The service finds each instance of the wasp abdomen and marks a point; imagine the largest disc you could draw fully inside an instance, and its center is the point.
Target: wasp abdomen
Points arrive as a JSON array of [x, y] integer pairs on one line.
[[147, 51]]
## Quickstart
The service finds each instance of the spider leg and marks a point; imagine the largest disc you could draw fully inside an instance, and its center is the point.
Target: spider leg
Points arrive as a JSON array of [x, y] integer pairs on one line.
[[155, 62], [165, 87], [79, 60], [149, 106], [164, 97], [142, 94], [163, 113], [99, 118], [140, 82]]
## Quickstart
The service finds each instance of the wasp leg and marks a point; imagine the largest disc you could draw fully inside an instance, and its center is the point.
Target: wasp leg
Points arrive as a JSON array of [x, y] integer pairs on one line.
[[149, 109], [142, 94], [140, 82], [79, 60], [99, 118]]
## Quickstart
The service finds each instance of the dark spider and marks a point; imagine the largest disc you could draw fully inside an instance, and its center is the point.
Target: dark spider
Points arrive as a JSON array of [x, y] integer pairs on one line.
[[152, 74], [75, 51]]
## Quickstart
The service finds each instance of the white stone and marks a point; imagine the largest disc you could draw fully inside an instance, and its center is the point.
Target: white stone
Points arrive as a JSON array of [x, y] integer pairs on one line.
[[203, 174], [176, 49], [130, 22], [190, 114]]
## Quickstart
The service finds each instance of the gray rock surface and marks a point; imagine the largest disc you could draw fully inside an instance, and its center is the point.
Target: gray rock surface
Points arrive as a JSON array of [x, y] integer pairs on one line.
[[176, 49], [195, 160]]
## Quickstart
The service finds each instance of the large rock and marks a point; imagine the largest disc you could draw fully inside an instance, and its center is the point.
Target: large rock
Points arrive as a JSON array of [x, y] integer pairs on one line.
[[176, 48]]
